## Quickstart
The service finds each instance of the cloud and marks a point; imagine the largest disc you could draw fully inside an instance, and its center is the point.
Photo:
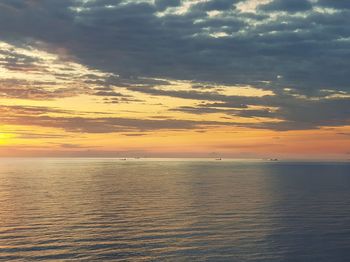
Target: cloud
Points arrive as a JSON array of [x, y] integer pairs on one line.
[[73, 146], [164, 4], [293, 112], [131, 39], [287, 6], [190, 94], [33, 135], [10, 88], [135, 134], [14, 110], [344, 134], [30, 73], [334, 4], [40, 116], [136, 43], [216, 5]]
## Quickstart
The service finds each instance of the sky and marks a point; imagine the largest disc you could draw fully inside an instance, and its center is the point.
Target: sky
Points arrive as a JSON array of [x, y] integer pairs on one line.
[[175, 78]]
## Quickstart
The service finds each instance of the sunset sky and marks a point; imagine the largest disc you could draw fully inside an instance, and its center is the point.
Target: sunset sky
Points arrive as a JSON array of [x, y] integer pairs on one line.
[[172, 78]]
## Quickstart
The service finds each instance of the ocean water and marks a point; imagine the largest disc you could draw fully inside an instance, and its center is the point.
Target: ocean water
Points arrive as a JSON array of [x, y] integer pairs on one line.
[[151, 210]]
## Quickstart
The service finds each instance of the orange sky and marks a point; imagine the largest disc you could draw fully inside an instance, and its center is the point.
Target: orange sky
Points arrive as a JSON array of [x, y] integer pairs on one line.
[[29, 125]]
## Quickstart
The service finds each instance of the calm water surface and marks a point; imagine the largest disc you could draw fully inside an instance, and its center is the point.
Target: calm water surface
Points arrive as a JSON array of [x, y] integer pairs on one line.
[[107, 209]]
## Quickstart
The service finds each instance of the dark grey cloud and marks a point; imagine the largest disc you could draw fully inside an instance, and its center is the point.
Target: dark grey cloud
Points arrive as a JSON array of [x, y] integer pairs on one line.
[[200, 110], [108, 93], [164, 4], [287, 6], [216, 5], [336, 4], [130, 39]]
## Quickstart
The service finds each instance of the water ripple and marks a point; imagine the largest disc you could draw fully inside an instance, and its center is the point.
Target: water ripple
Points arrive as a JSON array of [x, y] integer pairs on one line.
[[104, 209]]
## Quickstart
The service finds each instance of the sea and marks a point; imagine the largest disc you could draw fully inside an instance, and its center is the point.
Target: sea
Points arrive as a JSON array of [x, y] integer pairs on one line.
[[110, 209]]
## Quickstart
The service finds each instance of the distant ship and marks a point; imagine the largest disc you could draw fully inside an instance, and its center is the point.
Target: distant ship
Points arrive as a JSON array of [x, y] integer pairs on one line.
[[218, 158], [273, 159]]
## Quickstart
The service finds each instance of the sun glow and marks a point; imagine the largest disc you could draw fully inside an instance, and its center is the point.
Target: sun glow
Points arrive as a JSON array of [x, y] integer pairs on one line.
[[4, 138]]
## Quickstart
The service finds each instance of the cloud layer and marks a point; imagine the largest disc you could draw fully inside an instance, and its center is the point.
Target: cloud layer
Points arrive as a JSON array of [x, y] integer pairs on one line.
[[298, 44], [114, 50]]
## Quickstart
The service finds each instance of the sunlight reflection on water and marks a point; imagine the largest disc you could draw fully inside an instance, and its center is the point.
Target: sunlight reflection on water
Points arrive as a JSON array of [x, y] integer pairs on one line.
[[90, 209]]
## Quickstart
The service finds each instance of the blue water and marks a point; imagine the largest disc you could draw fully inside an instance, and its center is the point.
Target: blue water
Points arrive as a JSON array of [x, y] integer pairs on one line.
[[108, 209]]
